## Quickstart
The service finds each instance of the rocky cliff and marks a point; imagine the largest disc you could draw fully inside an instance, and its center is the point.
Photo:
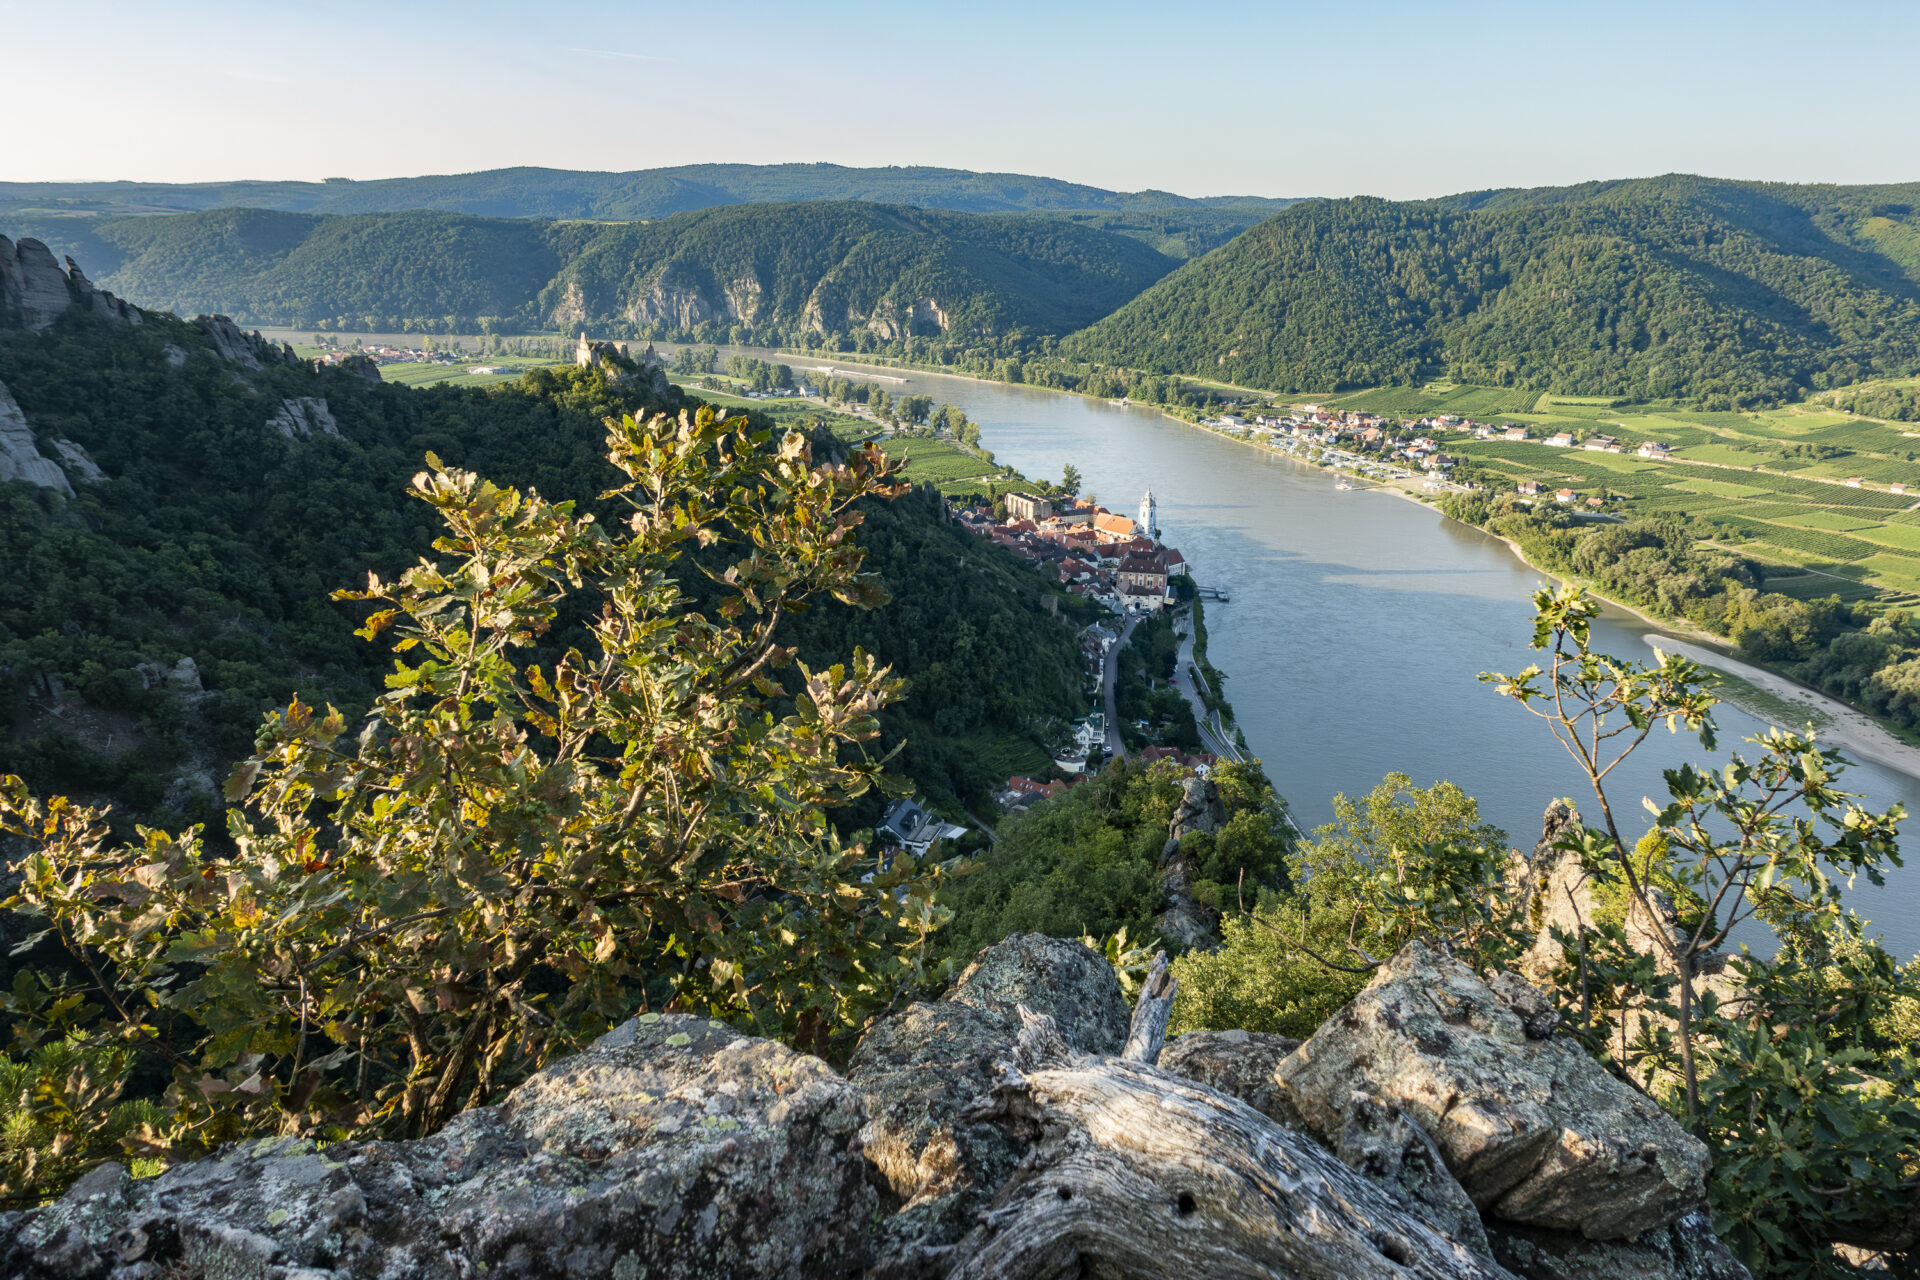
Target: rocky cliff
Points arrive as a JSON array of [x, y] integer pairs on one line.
[[1017, 1127], [35, 291]]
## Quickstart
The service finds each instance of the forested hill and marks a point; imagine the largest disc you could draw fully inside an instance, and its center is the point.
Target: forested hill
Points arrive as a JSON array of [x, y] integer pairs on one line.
[[1725, 292], [178, 500], [833, 268], [641, 193]]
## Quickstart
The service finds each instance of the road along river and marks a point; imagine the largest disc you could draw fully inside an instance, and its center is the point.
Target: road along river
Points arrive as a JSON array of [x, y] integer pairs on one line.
[[1360, 622]]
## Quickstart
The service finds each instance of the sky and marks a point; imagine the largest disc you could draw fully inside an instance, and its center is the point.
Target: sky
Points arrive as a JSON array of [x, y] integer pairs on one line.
[[1340, 97]]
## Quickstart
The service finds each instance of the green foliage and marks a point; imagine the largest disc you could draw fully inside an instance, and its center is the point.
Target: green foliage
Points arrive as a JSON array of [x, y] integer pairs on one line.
[[1864, 654], [1401, 862], [1144, 689], [967, 627], [507, 858], [1786, 1071], [1721, 292], [215, 538], [1088, 862], [61, 1109]]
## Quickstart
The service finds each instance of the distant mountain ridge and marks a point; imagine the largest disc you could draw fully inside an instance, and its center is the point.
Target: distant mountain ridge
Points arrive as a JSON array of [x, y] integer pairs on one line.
[[833, 267], [641, 193]]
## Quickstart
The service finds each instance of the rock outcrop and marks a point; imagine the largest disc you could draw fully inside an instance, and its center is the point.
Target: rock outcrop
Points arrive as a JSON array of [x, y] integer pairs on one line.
[[1184, 919], [35, 290], [1240, 1064], [78, 462], [20, 456], [990, 1133], [1687, 1250], [1138, 1172], [675, 1147], [1535, 1130], [918, 1072], [247, 350], [303, 418], [32, 285]]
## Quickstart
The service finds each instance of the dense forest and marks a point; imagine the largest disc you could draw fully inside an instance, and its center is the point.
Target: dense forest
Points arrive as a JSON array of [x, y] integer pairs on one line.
[[215, 537], [529, 192], [765, 271], [1726, 293]]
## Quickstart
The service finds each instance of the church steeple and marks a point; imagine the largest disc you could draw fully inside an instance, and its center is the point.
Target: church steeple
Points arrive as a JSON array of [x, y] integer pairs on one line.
[[1149, 517]]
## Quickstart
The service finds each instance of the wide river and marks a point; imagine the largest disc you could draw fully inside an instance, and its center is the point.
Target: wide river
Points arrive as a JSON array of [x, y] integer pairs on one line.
[[1359, 622]]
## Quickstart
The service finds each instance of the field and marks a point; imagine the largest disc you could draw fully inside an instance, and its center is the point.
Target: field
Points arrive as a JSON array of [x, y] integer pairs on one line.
[[1774, 483], [931, 459]]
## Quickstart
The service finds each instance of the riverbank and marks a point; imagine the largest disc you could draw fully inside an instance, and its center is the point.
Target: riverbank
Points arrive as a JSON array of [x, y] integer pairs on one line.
[[1852, 730]]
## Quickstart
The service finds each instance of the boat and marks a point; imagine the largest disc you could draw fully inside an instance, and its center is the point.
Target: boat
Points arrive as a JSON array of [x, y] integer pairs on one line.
[[1343, 485]]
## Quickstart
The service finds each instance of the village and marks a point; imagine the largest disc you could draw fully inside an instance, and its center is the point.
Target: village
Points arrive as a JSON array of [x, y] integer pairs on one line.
[[1400, 452], [1120, 563]]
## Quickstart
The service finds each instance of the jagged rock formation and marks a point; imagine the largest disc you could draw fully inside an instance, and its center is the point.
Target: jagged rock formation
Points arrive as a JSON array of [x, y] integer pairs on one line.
[[991, 1133], [303, 417], [78, 462], [20, 456], [1183, 919], [1240, 1064], [248, 350], [35, 291], [1534, 1129]]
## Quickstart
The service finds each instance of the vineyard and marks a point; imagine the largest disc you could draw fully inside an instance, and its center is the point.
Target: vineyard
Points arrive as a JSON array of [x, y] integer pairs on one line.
[[1773, 486]]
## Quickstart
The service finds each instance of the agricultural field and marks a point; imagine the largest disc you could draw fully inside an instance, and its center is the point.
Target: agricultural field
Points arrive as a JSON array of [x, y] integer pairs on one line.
[[932, 459], [458, 375], [1773, 484]]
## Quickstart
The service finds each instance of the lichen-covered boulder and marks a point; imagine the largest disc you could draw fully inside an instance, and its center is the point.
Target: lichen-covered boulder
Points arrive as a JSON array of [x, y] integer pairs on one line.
[[1533, 1128], [1139, 1174], [1240, 1064], [1376, 1139], [918, 1071], [1392, 1149], [1068, 981], [675, 1147]]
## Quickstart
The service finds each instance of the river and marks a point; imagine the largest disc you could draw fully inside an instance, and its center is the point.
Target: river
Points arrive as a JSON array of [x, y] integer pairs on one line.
[[1359, 622]]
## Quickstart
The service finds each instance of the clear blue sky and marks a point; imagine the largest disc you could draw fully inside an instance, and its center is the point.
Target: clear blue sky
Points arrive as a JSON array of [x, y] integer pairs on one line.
[[1395, 98]]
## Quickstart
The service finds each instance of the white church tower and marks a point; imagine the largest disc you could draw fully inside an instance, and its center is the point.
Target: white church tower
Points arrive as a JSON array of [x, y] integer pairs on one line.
[[1149, 517]]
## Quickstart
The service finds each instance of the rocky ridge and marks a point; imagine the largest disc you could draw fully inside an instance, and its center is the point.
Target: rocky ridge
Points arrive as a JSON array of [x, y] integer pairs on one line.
[[35, 291], [1016, 1127]]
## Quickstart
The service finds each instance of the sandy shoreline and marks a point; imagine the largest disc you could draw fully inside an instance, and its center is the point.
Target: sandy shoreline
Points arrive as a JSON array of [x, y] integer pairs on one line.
[[1852, 731]]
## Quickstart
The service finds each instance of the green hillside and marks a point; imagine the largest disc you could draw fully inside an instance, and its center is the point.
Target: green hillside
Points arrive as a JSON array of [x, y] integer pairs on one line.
[[211, 535], [833, 268], [1724, 292], [645, 193]]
